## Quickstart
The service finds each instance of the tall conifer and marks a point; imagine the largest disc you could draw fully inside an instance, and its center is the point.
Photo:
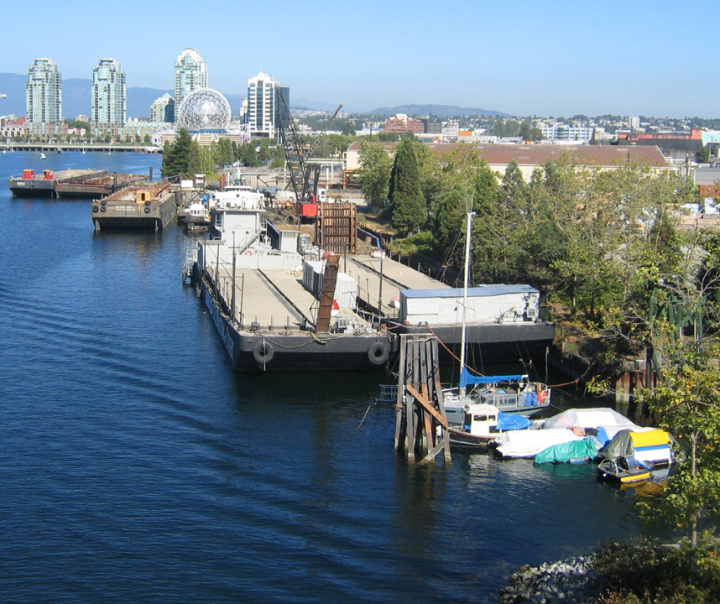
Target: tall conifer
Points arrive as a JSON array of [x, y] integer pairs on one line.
[[406, 198]]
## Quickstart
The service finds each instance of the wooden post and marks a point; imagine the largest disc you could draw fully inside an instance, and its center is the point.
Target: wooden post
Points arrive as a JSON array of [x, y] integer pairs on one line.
[[421, 422]]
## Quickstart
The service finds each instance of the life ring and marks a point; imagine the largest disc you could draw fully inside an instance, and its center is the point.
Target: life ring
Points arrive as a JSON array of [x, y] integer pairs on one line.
[[541, 397], [249, 253], [379, 353], [263, 352], [147, 210]]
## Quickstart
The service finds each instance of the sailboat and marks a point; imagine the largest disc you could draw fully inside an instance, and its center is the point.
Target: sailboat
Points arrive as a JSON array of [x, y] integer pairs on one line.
[[508, 393]]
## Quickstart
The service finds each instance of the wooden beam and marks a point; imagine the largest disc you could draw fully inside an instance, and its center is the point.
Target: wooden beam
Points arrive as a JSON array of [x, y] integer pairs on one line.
[[426, 404]]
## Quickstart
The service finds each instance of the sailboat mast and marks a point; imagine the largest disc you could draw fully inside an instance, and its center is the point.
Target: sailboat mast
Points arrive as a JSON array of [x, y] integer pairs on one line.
[[470, 215]]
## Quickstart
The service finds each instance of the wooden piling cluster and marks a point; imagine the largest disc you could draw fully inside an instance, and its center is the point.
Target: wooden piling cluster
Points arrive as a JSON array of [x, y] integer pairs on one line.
[[421, 424]]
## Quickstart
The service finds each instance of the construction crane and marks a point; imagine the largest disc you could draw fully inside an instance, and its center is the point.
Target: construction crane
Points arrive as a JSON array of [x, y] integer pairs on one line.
[[304, 175]]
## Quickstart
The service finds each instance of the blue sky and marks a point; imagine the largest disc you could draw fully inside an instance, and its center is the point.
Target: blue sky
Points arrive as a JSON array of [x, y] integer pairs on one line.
[[518, 57]]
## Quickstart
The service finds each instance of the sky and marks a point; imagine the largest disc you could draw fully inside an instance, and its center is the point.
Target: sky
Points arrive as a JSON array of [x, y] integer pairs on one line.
[[520, 57]]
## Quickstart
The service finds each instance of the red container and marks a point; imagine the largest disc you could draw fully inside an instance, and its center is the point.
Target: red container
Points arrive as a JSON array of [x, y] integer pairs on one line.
[[307, 210], [28, 174]]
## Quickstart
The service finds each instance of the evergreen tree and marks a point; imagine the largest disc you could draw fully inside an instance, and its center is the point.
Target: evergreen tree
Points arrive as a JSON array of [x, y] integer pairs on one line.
[[195, 160], [176, 161], [406, 198]]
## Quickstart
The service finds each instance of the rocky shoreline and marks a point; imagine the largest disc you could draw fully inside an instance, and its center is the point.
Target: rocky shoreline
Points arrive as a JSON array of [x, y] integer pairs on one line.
[[571, 580]]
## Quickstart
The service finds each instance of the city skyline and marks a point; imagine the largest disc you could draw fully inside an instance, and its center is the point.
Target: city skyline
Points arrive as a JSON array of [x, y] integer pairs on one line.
[[622, 58]]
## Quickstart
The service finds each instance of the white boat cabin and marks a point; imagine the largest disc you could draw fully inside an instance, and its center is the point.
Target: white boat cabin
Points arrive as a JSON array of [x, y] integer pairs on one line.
[[480, 420]]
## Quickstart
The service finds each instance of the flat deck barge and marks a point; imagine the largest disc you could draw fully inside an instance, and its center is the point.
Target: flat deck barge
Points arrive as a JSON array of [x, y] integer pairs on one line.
[[271, 302], [45, 183], [149, 206], [97, 187]]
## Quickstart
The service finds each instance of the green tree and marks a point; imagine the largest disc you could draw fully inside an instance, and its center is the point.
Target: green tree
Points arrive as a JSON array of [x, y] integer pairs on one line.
[[406, 199], [703, 155], [374, 173], [450, 231], [348, 129], [176, 160], [195, 160], [686, 403], [146, 140]]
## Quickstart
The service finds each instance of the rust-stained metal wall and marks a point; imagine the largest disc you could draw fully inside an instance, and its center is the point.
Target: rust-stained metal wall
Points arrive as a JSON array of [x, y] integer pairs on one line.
[[335, 227]]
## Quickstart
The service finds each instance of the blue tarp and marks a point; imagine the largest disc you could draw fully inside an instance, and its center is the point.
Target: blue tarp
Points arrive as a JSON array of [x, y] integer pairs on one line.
[[564, 452], [512, 421], [602, 436], [466, 379]]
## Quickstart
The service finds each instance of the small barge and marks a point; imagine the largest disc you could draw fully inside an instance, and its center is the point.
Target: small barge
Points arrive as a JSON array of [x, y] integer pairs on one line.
[[150, 206], [31, 184]]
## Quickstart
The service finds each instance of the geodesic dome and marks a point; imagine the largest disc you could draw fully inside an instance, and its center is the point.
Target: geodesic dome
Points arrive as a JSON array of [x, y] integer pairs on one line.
[[204, 109]]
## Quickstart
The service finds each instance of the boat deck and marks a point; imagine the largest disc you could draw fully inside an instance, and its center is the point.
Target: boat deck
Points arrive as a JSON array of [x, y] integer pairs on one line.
[[396, 276], [275, 299]]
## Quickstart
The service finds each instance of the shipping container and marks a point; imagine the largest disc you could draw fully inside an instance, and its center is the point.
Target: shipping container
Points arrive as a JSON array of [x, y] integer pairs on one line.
[[486, 304]]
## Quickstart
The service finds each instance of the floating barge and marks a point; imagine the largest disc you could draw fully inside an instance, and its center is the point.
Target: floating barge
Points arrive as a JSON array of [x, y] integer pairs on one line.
[[97, 187], [265, 293], [265, 317], [150, 206], [45, 184]]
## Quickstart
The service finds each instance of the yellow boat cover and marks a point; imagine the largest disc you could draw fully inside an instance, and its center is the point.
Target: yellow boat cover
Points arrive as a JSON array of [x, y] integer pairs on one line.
[[651, 438]]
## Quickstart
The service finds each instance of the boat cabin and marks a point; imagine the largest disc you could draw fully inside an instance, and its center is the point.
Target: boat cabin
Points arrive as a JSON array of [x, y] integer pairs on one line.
[[480, 420]]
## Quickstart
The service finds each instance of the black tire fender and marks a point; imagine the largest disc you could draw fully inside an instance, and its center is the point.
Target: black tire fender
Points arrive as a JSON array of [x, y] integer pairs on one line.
[[379, 353], [263, 352], [102, 209], [96, 209], [147, 210]]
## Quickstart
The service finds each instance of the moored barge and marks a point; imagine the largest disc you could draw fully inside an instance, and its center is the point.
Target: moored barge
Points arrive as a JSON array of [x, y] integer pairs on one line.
[[149, 206], [267, 320]]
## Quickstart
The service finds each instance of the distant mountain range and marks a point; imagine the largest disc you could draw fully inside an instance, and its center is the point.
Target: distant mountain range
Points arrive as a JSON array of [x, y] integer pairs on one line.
[[76, 101], [438, 110], [76, 97]]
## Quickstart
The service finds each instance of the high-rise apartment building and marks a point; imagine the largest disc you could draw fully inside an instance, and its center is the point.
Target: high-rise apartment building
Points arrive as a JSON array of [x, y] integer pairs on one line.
[[263, 112], [163, 109], [43, 98], [109, 95], [190, 74]]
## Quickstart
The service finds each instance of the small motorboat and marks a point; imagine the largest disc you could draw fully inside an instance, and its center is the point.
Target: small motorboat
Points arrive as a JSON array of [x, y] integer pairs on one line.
[[623, 470], [482, 424], [42, 156]]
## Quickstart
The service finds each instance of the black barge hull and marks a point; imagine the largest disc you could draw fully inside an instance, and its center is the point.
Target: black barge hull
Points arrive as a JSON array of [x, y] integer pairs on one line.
[[153, 216], [254, 352], [493, 343]]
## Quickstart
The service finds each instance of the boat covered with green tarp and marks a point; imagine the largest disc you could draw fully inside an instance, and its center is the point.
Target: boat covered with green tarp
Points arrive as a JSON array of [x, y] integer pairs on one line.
[[570, 451]]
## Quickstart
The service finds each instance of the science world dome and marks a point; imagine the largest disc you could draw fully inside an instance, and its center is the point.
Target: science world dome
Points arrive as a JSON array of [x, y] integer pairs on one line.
[[204, 109]]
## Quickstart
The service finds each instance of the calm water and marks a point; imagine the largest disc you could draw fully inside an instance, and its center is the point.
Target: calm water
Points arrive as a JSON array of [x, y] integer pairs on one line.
[[136, 466]]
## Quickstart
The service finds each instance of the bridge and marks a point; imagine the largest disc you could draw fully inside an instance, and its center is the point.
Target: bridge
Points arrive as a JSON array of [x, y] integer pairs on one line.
[[87, 147]]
